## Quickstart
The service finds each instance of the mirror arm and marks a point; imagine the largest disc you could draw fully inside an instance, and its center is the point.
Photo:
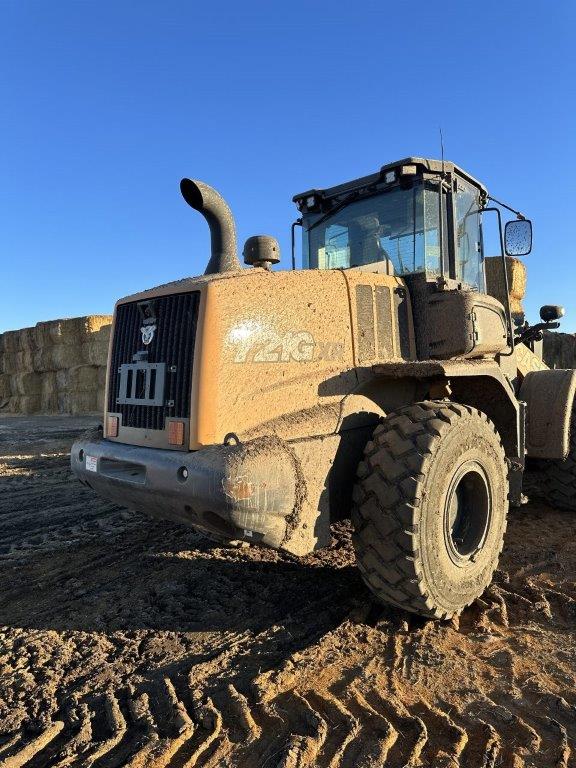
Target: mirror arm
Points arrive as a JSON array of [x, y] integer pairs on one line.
[[534, 332], [503, 205], [510, 328]]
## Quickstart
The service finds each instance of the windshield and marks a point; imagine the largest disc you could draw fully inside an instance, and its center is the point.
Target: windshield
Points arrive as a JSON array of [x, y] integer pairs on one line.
[[399, 227]]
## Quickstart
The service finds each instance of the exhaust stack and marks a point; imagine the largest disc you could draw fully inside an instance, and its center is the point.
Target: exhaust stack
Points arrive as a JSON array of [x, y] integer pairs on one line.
[[205, 199]]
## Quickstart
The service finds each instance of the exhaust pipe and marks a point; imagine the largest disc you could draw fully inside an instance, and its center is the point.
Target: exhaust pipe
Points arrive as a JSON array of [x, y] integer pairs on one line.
[[205, 199]]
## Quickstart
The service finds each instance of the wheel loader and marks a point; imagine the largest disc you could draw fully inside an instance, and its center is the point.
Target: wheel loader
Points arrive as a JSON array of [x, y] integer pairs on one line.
[[386, 380]]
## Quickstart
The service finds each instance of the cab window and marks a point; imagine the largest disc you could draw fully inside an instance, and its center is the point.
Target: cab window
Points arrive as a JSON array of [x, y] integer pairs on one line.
[[469, 266]]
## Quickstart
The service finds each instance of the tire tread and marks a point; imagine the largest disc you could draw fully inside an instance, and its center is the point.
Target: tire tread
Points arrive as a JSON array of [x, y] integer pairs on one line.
[[386, 509]]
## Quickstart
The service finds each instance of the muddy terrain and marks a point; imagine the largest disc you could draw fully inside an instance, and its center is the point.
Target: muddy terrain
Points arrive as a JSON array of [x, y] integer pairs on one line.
[[128, 642]]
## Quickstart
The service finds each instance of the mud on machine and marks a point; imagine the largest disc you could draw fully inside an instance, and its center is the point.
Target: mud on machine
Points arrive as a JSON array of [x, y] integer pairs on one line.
[[389, 379]]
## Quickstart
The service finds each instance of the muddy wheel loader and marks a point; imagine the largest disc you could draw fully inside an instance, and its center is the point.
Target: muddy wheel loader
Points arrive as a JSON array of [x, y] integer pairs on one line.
[[386, 380]]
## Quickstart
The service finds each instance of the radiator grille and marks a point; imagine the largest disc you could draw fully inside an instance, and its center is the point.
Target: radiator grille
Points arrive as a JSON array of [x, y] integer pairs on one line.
[[173, 344], [403, 334], [365, 314], [384, 322]]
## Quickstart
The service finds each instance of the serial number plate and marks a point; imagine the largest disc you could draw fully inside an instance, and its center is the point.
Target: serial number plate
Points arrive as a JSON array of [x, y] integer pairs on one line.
[[91, 464]]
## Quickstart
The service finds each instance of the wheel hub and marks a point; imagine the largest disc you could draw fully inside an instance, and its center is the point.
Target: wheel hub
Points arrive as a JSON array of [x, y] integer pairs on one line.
[[467, 513]]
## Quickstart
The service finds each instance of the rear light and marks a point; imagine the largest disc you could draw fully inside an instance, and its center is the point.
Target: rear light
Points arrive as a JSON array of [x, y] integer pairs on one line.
[[112, 426], [176, 433]]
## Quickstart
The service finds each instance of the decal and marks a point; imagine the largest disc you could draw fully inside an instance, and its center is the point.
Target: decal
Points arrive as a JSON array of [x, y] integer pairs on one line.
[[294, 346], [91, 464], [147, 332]]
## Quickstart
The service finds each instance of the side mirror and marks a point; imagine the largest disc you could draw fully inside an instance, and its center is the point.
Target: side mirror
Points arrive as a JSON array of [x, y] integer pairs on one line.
[[518, 237], [551, 312]]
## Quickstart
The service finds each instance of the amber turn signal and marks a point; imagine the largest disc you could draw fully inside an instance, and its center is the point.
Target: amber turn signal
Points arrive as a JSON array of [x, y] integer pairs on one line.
[[112, 426], [176, 432]]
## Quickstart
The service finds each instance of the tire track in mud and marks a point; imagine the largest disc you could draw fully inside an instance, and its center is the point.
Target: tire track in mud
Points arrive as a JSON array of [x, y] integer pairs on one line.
[[244, 657], [22, 507], [284, 720], [352, 723]]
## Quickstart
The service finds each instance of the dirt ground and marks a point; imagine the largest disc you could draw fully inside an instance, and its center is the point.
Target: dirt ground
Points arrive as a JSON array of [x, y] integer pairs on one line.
[[129, 642]]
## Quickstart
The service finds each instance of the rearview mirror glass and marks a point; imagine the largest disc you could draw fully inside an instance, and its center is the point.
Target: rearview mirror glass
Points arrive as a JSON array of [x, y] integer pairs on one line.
[[518, 237]]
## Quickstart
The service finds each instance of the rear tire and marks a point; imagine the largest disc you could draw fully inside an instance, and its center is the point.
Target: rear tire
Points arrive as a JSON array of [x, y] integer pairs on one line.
[[558, 478], [430, 505]]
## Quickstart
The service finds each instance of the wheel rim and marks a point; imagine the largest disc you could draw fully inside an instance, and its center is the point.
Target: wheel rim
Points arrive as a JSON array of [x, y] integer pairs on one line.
[[467, 513]]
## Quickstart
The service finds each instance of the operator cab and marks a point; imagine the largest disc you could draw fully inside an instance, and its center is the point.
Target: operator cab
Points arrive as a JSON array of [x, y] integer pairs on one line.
[[415, 216]]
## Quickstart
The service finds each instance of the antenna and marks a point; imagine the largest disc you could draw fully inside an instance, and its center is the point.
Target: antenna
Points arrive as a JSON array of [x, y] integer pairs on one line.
[[442, 148]]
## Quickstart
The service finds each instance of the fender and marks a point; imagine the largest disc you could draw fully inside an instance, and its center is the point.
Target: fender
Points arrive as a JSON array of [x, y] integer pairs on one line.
[[479, 383], [549, 396]]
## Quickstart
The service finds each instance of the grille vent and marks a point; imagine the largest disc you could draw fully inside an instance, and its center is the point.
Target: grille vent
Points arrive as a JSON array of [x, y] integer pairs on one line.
[[173, 344]]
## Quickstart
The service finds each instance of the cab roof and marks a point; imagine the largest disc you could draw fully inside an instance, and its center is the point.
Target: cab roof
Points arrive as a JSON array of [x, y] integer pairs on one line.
[[423, 165]]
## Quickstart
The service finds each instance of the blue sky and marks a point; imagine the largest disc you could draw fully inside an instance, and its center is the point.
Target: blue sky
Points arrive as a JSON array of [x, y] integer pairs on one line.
[[106, 105]]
